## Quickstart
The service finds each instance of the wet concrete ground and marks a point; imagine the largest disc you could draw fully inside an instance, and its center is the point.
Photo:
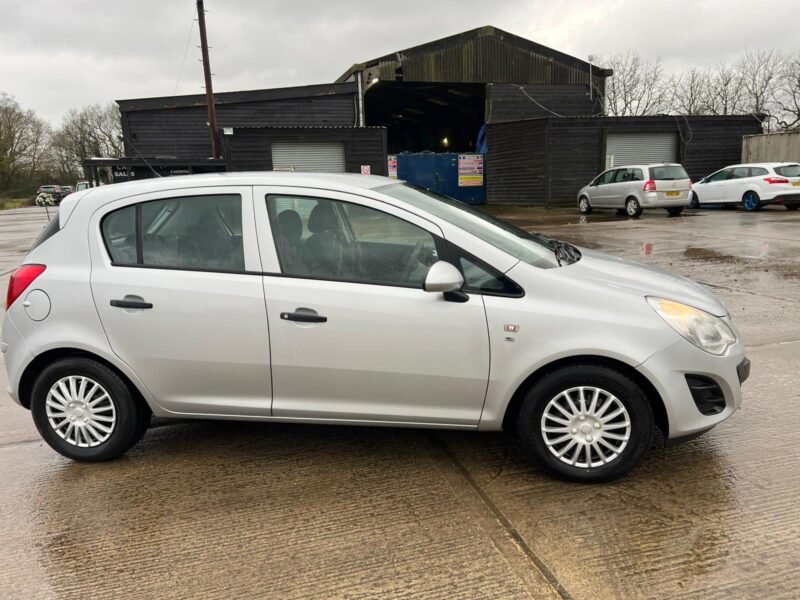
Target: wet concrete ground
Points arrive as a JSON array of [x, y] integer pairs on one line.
[[249, 510]]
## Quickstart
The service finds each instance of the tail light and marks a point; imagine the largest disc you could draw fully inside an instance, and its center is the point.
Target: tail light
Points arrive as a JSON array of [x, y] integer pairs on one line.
[[776, 180], [20, 280], [650, 186]]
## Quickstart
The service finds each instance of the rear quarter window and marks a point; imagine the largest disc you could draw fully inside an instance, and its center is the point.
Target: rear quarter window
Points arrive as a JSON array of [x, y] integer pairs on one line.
[[788, 171], [49, 231], [668, 173]]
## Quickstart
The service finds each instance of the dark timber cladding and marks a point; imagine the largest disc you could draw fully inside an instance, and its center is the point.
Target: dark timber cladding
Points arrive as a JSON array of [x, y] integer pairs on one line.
[[249, 148], [512, 102], [177, 126], [547, 160], [486, 54]]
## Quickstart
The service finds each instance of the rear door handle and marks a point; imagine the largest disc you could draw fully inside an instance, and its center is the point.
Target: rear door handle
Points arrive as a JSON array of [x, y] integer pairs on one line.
[[131, 304], [304, 315]]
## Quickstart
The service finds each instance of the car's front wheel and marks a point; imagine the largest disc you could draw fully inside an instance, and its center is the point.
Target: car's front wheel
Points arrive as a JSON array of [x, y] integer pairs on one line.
[[584, 207], [586, 423], [695, 201], [85, 411]]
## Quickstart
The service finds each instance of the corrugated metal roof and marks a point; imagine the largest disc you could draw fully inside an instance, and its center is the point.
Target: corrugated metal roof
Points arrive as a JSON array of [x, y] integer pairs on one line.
[[222, 98]]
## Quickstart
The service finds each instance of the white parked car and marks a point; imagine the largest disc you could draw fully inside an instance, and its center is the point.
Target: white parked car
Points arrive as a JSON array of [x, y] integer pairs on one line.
[[751, 185], [354, 300], [633, 188]]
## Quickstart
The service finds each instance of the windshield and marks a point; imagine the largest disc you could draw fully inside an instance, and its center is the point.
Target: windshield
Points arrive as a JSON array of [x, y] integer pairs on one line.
[[788, 170], [668, 173], [531, 248]]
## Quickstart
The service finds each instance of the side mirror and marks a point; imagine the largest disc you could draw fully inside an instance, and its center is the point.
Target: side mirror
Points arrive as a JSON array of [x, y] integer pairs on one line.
[[443, 277]]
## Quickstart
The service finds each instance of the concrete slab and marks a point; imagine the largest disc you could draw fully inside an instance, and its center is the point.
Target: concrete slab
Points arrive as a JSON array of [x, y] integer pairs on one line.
[[247, 510]]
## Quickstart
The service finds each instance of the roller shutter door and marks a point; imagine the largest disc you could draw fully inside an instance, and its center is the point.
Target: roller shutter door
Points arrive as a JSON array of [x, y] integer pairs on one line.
[[322, 157], [640, 148]]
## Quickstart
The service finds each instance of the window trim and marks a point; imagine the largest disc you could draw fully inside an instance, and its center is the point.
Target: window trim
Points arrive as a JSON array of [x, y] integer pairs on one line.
[[453, 254], [137, 206], [438, 240]]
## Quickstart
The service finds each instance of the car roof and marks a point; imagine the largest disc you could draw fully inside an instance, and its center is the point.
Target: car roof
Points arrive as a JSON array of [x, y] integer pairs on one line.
[[340, 182], [643, 166], [771, 165]]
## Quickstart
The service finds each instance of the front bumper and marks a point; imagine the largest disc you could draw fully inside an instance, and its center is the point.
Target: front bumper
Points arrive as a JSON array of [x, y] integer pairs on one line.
[[667, 371]]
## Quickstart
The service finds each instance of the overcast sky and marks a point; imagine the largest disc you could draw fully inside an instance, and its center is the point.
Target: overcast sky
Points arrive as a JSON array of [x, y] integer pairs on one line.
[[55, 55]]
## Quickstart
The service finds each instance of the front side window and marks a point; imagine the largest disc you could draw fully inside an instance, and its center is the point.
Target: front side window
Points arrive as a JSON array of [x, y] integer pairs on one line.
[[193, 232], [329, 239], [605, 178], [719, 176]]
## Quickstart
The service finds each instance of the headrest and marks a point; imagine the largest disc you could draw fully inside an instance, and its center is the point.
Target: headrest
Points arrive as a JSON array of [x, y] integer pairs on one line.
[[290, 226], [322, 218]]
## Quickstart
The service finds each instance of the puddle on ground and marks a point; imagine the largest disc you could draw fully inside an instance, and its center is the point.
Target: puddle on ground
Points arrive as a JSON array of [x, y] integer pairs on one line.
[[711, 255]]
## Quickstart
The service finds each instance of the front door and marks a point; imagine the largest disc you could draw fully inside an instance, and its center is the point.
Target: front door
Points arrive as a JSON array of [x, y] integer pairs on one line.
[[354, 336], [176, 281]]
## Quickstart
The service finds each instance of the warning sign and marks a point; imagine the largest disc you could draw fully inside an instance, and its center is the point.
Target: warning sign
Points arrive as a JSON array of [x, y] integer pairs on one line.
[[470, 170], [365, 169], [392, 161]]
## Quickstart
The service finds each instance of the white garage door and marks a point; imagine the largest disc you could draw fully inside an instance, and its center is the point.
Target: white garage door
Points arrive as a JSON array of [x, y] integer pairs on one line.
[[322, 157], [640, 148]]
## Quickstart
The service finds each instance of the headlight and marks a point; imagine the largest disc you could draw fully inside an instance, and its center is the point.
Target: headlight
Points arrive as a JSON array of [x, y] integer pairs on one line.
[[704, 330]]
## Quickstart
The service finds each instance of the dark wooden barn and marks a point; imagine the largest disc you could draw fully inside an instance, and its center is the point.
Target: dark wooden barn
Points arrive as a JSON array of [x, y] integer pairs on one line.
[[546, 161]]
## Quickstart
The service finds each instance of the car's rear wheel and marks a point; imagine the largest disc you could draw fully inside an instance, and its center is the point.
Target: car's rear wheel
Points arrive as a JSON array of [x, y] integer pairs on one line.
[[633, 208], [584, 207], [675, 211], [586, 423], [792, 205], [85, 411], [751, 201]]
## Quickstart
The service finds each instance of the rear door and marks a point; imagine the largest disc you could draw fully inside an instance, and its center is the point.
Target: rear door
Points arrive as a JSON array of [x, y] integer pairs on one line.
[[672, 183], [354, 336], [176, 280]]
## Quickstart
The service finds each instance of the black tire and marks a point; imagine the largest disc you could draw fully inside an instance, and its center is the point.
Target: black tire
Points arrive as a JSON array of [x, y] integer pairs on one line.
[[628, 393], [675, 211], [792, 206], [632, 208], [751, 201], [584, 207], [132, 416], [695, 201]]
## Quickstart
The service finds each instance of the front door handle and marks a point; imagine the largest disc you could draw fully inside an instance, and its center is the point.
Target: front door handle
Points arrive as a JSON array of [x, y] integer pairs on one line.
[[304, 315], [131, 304]]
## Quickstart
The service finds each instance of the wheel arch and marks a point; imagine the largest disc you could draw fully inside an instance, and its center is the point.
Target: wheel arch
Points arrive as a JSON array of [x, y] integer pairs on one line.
[[651, 393], [43, 360]]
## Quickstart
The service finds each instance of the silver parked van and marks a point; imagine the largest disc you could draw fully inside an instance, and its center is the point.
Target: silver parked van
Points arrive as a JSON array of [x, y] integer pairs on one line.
[[633, 188]]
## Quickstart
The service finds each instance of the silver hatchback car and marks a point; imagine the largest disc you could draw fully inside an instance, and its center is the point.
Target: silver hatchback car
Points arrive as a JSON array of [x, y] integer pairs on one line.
[[354, 300], [633, 188]]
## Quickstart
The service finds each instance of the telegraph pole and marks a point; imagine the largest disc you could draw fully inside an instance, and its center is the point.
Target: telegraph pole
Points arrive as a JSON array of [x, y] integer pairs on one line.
[[212, 112]]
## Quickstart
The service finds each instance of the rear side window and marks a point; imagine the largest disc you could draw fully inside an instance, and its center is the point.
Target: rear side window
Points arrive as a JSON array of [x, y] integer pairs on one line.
[[668, 173], [740, 173], [195, 232], [49, 231], [787, 171]]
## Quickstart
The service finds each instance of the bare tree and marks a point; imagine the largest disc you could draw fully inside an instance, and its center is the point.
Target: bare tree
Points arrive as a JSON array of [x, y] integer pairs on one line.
[[787, 96], [23, 143], [760, 72], [94, 130], [691, 92], [725, 92], [638, 86]]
